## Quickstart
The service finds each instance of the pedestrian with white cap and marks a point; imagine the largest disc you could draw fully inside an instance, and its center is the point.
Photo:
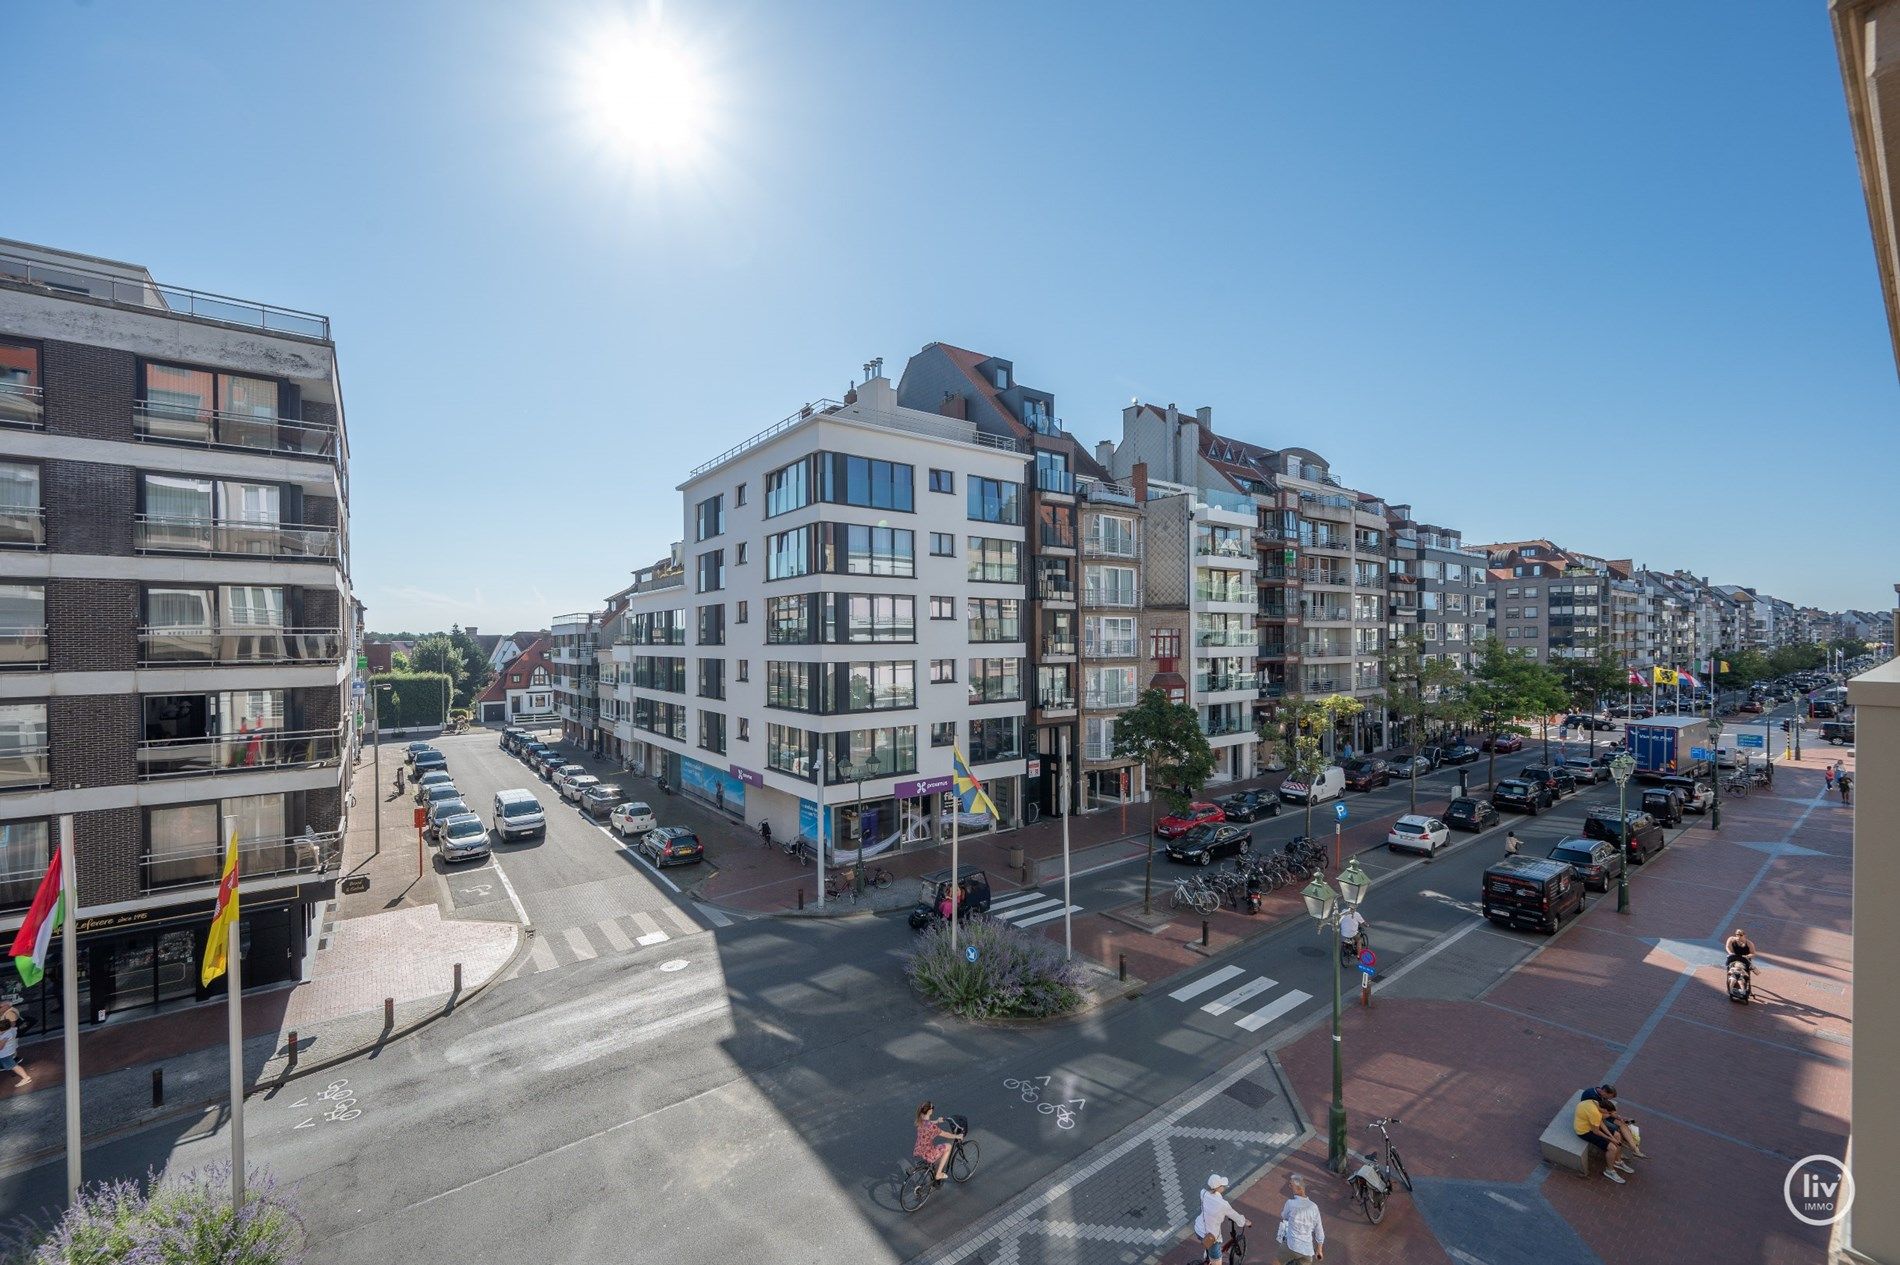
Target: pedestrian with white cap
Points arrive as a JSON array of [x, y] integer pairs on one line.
[[1215, 1212]]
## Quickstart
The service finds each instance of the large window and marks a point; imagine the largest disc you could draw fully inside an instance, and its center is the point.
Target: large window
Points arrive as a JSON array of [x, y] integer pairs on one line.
[[841, 479], [1108, 687], [996, 619], [875, 686], [1109, 586], [709, 517], [712, 732], [790, 750], [998, 739], [788, 554], [712, 624], [788, 488], [22, 626], [25, 852], [996, 680], [666, 719], [712, 571], [789, 620], [659, 672], [22, 515], [712, 678], [995, 561], [202, 407], [993, 500], [658, 628], [184, 844], [791, 686], [1112, 536], [1109, 636], [854, 549], [840, 618], [20, 394], [22, 745], [881, 752]]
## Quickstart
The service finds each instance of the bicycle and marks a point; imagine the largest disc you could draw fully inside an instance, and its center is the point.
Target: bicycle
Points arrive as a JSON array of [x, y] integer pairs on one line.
[[1737, 785], [1194, 896], [1371, 1182], [919, 1180]]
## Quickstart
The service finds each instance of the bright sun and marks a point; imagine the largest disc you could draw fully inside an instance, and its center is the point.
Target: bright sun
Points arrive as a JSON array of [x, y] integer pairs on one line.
[[646, 94]]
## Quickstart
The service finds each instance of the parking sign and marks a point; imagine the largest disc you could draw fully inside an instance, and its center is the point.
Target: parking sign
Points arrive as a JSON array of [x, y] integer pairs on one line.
[[1339, 811]]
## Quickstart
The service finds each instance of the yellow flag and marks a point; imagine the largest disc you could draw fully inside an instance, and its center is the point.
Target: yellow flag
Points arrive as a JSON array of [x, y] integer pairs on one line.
[[217, 946], [1663, 676]]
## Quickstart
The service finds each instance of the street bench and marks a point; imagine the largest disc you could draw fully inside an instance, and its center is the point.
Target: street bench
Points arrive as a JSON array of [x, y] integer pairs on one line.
[[1560, 1143]]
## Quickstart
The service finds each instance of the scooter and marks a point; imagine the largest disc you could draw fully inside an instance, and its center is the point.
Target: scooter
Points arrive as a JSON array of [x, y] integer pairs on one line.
[[1741, 980]]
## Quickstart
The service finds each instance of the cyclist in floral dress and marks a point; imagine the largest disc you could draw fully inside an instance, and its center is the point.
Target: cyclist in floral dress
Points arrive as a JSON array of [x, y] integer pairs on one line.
[[933, 1139]]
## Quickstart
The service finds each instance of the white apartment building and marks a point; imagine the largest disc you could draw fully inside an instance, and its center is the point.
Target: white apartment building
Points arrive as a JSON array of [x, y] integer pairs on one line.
[[850, 602]]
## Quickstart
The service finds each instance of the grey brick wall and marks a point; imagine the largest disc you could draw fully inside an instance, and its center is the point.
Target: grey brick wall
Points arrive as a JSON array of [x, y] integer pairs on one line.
[[319, 511], [107, 847], [89, 506], [321, 608], [94, 739], [319, 810], [89, 390], [318, 708], [92, 625]]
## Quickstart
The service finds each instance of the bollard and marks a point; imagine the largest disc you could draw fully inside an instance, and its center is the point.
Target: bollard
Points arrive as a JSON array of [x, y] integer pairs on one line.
[[801, 896], [158, 1087], [1122, 967], [291, 1062], [1203, 933], [458, 977], [389, 1013]]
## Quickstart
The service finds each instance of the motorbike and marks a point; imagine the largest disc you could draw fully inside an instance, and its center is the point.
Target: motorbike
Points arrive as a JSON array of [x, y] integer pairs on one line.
[[1741, 979]]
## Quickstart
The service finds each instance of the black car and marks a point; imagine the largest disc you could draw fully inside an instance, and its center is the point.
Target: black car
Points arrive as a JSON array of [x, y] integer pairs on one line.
[[1596, 861], [1838, 731], [672, 845], [1208, 841], [1524, 797], [1602, 724], [1469, 813], [1366, 775], [529, 748], [415, 749], [1249, 806], [511, 736], [426, 761], [1559, 780], [1664, 804], [1532, 891], [1461, 754], [1645, 832]]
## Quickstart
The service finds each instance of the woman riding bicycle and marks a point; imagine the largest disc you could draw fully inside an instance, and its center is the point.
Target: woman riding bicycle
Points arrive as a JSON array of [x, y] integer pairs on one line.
[[934, 1139]]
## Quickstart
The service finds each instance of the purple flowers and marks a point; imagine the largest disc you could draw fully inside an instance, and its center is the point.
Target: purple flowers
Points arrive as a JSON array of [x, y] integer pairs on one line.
[[1016, 975], [184, 1220]]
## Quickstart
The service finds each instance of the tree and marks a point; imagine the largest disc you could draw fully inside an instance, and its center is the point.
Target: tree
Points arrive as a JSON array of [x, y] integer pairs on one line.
[[1507, 687], [1305, 750], [1167, 739], [1745, 667], [1590, 681], [1419, 691], [476, 673]]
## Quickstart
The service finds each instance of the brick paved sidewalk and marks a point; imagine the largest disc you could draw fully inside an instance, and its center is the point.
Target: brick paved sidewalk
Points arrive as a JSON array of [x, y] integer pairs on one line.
[[1728, 1096]]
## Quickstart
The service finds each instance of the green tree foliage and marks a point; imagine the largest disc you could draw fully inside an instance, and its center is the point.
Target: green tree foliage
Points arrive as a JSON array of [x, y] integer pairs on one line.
[[476, 674], [1304, 750], [1167, 739], [1508, 689], [415, 700], [1590, 682]]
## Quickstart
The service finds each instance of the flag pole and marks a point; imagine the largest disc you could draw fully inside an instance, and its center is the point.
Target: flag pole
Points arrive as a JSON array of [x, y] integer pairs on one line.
[[234, 1012], [956, 870], [69, 993], [1068, 940]]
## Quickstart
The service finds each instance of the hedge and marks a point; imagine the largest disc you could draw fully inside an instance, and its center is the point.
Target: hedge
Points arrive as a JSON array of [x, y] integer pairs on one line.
[[415, 699]]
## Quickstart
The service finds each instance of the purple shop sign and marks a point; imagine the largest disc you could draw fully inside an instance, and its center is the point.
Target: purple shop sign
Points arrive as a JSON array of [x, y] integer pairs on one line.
[[924, 786], [746, 775]]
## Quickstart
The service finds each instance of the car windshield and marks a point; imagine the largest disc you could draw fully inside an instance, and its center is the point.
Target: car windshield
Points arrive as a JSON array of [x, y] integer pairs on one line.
[[515, 808], [1463, 805], [1513, 786], [448, 808], [471, 828]]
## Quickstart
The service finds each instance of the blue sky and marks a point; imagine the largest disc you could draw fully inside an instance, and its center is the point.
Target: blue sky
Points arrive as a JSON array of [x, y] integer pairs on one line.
[[1595, 273]]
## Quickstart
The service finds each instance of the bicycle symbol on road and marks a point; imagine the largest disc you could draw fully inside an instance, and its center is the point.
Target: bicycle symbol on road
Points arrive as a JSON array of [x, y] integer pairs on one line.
[[337, 1102], [1030, 1089]]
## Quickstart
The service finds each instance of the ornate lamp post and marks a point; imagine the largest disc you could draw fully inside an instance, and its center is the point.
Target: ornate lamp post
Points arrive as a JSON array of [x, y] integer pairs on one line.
[[1621, 767], [1324, 906]]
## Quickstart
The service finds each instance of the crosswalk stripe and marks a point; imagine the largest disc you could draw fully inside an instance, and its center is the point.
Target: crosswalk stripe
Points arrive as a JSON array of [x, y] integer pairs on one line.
[[541, 956], [1054, 913], [682, 919], [651, 933], [1204, 983], [1267, 1014], [1017, 898], [718, 919], [577, 941], [1028, 907], [1221, 1005], [610, 928]]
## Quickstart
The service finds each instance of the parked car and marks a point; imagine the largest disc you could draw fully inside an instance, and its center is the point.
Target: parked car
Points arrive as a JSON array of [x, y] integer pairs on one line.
[[427, 760], [545, 761], [1664, 804], [1821, 709], [1330, 783], [518, 812], [575, 786], [1174, 825], [1248, 806], [1367, 774], [1208, 842], [1583, 769], [1602, 724], [530, 750], [554, 768], [1523, 797], [1531, 891], [1596, 861], [601, 800], [1838, 731], [932, 888], [411, 750], [432, 829], [434, 777], [433, 795], [464, 838], [631, 818], [511, 737], [1418, 833], [1460, 754], [1696, 795], [672, 845], [1435, 755], [1410, 766], [1752, 705], [1559, 780], [1503, 744], [1467, 812], [1645, 833]]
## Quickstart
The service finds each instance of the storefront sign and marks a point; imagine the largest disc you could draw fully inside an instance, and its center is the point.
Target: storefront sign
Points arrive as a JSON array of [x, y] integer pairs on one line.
[[355, 884], [923, 786], [1035, 768], [747, 776], [168, 913]]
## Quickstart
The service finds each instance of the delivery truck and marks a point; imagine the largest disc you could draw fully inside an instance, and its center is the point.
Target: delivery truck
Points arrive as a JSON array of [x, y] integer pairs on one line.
[[1664, 746]]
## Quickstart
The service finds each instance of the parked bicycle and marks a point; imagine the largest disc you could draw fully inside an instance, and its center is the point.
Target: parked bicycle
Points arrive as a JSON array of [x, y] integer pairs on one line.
[[919, 1180], [1372, 1180], [1737, 784], [1195, 895]]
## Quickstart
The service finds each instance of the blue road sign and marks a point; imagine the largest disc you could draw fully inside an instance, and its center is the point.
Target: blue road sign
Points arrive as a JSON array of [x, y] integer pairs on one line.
[[1339, 811], [1367, 962], [1750, 740], [1699, 753], [969, 952]]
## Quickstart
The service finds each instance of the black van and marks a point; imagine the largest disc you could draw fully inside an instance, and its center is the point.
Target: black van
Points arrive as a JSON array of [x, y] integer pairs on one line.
[[1531, 892], [931, 889], [1838, 731]]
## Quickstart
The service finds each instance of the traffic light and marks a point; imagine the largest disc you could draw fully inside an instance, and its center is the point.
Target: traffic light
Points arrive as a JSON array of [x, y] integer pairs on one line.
[[1786, 725]]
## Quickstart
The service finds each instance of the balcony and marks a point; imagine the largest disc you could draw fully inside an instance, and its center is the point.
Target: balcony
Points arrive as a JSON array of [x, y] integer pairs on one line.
[[1274, 650], [1109, 647], [1051, 588], [1060, 482], [172, 646], [1091, 751], [1402, 578], [239, 752], [22, 526], [1272, 610], [1210, 546], [1221, 683], [1228, 502], [1051, 536], [1319, 575], [996, 631], [1227, 726], [1056, 647], [1239, 593], [1321, 685], [1326, 540], [22, 404], [1273, 689], [23, 647], [213, 428], [308, 853], [1108, 700], [1048, 703], [23, 765], [1097, 545], [1107, 493], [234, 538], [1205, 637], [1280, 571], [1100, 598], [1323, 650], [65, 279]]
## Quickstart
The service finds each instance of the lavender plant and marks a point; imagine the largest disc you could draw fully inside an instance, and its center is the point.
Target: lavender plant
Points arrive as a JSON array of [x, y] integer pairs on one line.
[[1016, 975], [183, 1220]]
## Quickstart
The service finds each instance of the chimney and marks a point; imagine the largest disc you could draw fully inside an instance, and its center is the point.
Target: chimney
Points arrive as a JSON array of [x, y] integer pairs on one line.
[[1138, 479], [471, 631], [953, 406], [1205, 416], [1105, 453]]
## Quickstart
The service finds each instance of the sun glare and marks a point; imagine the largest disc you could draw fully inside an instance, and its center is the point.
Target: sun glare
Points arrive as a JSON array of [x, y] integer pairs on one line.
[[646, 94]]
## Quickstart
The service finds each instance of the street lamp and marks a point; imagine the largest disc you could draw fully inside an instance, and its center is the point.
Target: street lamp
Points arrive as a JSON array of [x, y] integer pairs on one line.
[[1715, 805], [1621, 766], [1324, 907]]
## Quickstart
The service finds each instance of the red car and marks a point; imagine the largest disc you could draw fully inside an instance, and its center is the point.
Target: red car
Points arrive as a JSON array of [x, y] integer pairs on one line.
[[1197, 814], [1504, 743]]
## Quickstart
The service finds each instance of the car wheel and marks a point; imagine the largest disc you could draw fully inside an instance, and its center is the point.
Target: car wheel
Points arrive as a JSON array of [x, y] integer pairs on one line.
[[1207, 858]]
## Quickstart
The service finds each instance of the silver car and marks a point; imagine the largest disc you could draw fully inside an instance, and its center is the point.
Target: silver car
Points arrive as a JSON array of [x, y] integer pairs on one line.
[[464, 838]]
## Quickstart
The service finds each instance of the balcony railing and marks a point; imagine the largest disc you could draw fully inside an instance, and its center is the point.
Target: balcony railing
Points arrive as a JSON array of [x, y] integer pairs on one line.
[[1225, 726], [23, 765], [1056, 645], [1319, 685], [239, 752], [1111, 598], [1096, 545], [1232, 502], [23, 526], [1337, 615], [1107, 493], [1052, 589], [1109, 647], [23, 647], [1226, 637], [1056, 702], [1243, 593], [1322, 650], [1319, 575], [211, 428], [71, 279], [994, 631], [1360, 580], [1321, 540], [308, 853], [165, 645], [1058, 481], [1090, 751], [1273, 650], [1402, 577], [1229, 681], [1273, 689], [1053, 537], [22, 404], [1098, 700], [154, 533], [1271, 610], [1215, 547], [1279, 571]]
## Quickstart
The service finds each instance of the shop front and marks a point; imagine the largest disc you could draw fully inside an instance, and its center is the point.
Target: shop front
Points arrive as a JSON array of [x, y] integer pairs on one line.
[[719, 788]]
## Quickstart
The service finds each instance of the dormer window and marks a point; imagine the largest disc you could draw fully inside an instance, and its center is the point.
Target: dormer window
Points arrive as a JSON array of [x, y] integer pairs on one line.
[[1002, 378]]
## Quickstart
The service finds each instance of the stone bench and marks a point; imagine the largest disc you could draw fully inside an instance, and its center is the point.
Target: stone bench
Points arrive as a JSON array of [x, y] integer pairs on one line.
[[1560, 1143]]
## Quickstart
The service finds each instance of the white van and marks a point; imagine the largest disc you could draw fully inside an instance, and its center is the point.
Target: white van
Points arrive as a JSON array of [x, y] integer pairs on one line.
[[1330, 784], [518, 812]]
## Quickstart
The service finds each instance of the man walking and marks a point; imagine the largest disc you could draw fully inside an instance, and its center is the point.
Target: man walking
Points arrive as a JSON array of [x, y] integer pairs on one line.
[[1301, 1233], [1511, 844]]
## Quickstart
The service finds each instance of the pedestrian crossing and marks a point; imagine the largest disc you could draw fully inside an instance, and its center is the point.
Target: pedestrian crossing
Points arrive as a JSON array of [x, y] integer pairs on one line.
[[1029, 908], [1224, 991], [620, 934]]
